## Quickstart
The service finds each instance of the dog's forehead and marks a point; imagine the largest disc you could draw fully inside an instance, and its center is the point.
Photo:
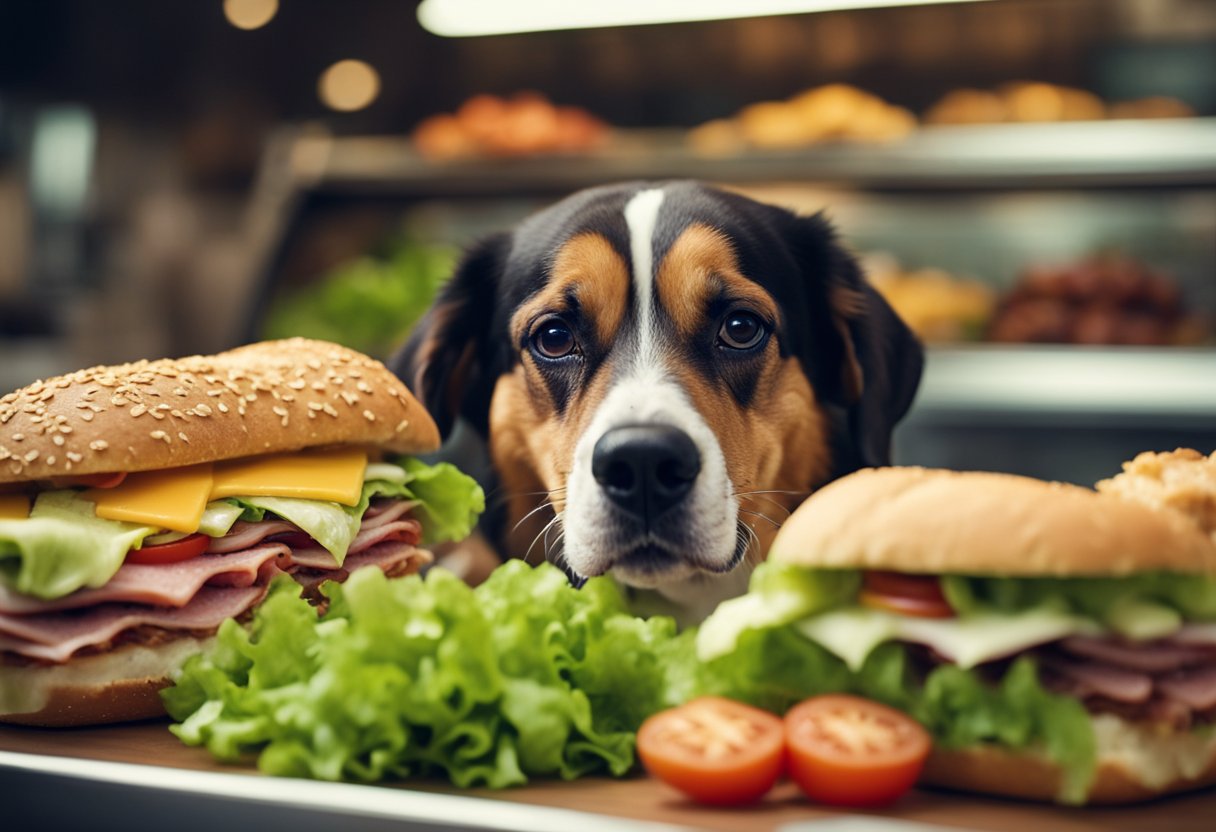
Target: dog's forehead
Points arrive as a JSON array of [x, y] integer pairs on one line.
[[749, 226]]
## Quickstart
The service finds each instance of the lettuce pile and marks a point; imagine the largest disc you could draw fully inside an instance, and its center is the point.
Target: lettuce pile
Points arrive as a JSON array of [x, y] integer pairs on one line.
[[522, 676]]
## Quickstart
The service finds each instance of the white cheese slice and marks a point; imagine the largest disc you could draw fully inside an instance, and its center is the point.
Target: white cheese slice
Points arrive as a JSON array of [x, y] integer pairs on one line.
[[853, 633]]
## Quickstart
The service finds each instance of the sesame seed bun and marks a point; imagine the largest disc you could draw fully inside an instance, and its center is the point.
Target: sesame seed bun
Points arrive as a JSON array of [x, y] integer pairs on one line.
[[268, 397], [921, 520]]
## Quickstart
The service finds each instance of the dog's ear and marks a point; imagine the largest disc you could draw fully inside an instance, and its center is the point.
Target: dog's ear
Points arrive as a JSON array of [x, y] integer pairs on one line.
[[445, 362], [868, 361]]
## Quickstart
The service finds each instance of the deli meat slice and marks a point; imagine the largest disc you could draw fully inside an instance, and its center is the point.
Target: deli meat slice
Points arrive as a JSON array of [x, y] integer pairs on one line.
[[380, 512], [162, 585], [1150, 657], [316, 557], [1195, 688], [56, 636], [1097, 679], [243, 535], [393, 557]]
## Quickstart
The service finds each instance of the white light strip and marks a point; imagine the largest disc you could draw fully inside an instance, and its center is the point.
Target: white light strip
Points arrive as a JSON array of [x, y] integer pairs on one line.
[[469, 18], [345, 801]]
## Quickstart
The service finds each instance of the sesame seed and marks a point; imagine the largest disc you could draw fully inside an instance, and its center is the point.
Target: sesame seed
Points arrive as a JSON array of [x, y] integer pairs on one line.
[[315, 406], [314, 363], [240, 410], [58, 440], [223, 408], [329, 408], [312, 414], [32, 455], [161, 435], [99, 444], [317, 385], [369, 416], [119, 401], [252, 397], [74, 457], [183, 437], [297, 384], [279, 411], [363, 387], [50, 460], [287, 397], [88, 415], [202, 410], [215, 392], [402, 425], [180, 391], [15, 466], [139, 410], [177, 414], [157, 415], [5, 453], [350, 398], [18, 437]]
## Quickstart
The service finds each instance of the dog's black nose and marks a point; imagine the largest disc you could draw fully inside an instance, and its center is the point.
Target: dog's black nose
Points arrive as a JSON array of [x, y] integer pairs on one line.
[[645, 469]]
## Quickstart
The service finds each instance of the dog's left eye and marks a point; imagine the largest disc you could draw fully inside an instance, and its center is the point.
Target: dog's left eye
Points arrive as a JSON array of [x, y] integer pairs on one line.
[[741, 330], [553, 339]]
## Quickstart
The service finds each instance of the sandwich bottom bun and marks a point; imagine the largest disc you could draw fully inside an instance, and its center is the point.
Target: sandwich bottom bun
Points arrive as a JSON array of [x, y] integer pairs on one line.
[[120, 685], [1135, 763]]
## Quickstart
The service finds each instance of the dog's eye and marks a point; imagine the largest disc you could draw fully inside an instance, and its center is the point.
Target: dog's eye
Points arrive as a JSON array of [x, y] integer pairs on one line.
[[741, 330], [553, 339]]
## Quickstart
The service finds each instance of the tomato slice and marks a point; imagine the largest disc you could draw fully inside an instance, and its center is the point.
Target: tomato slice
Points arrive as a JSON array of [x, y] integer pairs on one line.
[[714, 750], [849, 751], [897, 592], [184, 549], [90, 480]]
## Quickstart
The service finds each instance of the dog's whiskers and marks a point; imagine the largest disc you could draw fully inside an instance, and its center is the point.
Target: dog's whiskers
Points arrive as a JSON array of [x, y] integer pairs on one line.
[[540, 536], [761, 516]]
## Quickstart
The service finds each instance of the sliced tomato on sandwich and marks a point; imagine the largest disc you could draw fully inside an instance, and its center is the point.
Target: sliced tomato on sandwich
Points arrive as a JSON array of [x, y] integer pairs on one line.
[[190, 546], [904, 594]]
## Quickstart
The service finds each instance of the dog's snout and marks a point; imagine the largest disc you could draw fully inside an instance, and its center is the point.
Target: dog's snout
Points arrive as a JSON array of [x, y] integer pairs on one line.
[[645, 469]]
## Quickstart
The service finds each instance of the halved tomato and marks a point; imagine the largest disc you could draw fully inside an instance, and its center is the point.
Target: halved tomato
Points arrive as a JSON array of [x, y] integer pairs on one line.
[[849, 751], [897, 592], [714, 750], [184, 549]]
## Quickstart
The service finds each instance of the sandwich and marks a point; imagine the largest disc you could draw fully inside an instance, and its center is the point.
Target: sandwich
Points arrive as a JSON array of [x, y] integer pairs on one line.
[[142, 505], [1058, 643]]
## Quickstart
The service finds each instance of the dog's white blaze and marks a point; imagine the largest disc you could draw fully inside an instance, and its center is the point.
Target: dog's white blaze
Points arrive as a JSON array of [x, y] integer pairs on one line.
[[645, 392], [641, 217]]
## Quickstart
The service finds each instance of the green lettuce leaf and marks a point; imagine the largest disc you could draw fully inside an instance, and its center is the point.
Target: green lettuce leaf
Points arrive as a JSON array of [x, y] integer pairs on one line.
[[450, 501], [777, 668], [63, 545], [778, 594], [1145, 605], [523, 676]]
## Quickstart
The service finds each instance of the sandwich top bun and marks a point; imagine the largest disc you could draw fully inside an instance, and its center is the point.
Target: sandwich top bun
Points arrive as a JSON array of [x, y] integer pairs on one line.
[[268, 397], [920, 520]]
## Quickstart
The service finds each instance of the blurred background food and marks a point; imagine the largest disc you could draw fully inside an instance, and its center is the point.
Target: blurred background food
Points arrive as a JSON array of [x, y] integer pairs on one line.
[[1039, 176]]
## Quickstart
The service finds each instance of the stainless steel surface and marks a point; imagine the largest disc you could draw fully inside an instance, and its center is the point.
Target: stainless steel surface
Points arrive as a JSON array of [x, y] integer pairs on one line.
[[64, 793]]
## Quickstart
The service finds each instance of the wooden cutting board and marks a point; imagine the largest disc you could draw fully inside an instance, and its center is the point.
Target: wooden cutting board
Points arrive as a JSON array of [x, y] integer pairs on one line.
[[642, 798]]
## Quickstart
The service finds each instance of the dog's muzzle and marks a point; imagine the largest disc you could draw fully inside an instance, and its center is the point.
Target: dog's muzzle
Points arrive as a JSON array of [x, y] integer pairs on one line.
[[645, 470]]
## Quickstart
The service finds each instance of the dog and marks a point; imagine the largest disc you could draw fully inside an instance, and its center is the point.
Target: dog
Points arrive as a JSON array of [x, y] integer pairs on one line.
[[660, 373]]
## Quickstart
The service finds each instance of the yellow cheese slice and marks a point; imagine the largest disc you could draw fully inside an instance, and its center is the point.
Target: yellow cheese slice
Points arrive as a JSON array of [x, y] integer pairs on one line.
[[170, 499], [335, 475], [14, 506]]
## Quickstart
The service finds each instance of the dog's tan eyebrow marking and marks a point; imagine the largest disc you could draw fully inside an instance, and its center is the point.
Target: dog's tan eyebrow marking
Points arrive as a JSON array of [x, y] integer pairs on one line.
[[699, 266], [589, 267]]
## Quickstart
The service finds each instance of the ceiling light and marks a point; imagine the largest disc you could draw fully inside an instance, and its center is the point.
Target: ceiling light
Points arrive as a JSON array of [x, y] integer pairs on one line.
[[348, 86], [250, 14], [467, 18]]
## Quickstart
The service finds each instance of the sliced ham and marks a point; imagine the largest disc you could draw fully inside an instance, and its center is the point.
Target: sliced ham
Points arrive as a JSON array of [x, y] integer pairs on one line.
[[1150, 657], [164, 585], [315, 557], [243, 535], [380, 512], [393, 557], [56, 636], [1088, 678], [1195, 687], [1204, 633]]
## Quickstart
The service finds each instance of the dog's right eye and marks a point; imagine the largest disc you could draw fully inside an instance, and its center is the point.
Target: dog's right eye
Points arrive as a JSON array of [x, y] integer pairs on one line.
[[553, 339]]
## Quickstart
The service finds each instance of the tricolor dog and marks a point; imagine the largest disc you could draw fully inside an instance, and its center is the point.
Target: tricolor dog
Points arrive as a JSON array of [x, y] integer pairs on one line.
[[661, 372]]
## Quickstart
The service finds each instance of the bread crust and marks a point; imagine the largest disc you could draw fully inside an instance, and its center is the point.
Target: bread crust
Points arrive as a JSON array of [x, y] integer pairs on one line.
[[267, 397], [120, 685], [932, 521], [992, 770]]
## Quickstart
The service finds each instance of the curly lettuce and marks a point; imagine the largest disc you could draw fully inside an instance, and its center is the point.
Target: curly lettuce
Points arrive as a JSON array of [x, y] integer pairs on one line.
[[520, 677]]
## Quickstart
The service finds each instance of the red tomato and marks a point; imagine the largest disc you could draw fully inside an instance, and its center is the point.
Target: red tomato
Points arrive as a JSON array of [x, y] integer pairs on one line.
[[849, 751], [184, 549], [714, 750], [919, 595], [90, 480]]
